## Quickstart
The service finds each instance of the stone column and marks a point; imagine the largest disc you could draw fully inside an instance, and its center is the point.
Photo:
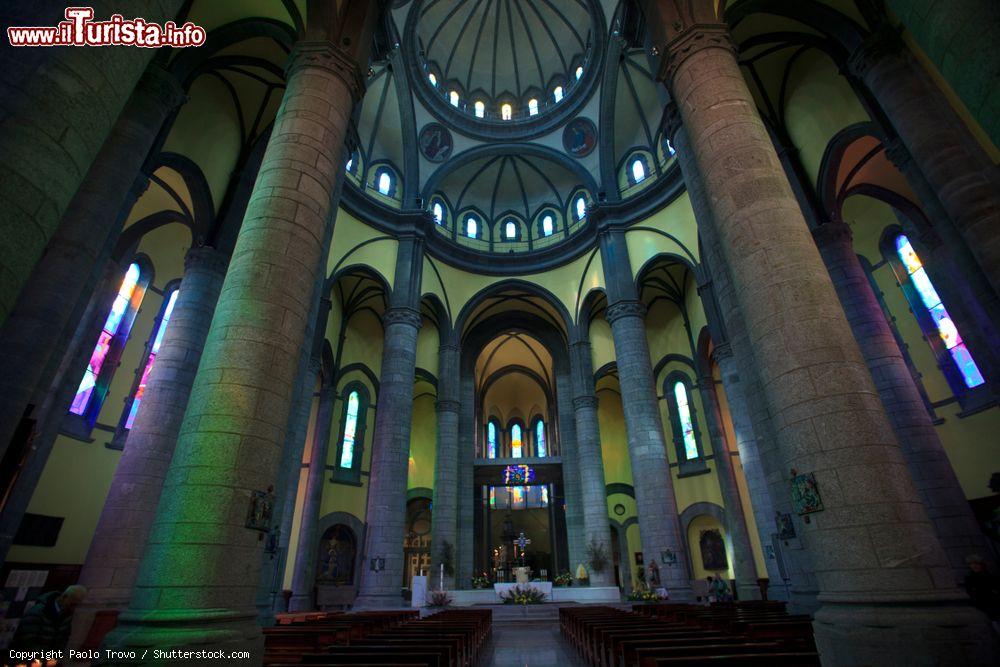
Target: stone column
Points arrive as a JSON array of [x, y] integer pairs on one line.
[[444, 519], [67, 101], [467, 504], [930, 468], [573, 494], [874, 551], [201, 569], [385, 518], [744, 567], [304, 575], [594, 496], [112, 563], [659, 521], [33, 331], [963, 176]]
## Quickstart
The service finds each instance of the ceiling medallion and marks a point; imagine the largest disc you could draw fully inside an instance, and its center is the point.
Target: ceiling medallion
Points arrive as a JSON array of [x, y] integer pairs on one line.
[[580, 137], [435, 142]]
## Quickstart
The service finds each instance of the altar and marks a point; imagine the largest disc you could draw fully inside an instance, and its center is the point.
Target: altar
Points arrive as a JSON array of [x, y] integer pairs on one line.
[[543, 586]]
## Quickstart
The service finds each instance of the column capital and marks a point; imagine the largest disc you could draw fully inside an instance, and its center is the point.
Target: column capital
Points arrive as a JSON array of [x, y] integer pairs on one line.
[[445, 405], [402, 315], [160, 86], [898, 153], [206, 258], [671, 121], [832, 233], [325, 55], [587, 401], [721, 352], [625, 308], [884, 41], [690, 40]]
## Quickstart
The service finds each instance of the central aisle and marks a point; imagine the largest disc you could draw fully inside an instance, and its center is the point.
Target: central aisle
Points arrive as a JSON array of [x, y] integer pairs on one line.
[[528, 638]]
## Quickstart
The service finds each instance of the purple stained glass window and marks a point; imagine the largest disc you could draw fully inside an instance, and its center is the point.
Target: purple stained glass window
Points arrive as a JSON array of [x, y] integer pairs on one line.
[[687, 426], [118, 323], [154, 350], [943, 323], [540, 448], [491, 441]]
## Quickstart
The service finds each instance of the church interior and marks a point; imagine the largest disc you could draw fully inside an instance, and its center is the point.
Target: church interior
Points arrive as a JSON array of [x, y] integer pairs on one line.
[[365, 317]]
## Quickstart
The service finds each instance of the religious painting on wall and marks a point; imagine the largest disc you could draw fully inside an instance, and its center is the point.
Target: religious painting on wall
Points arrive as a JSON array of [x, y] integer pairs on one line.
[[435, 142], [713, 550], [805, 494], [783, 522], [260, 511], [337, 552], [580, 137]]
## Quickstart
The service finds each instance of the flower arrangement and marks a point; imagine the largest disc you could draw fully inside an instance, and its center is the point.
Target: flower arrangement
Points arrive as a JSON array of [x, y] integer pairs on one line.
[[480, 582], [564, 579], [644, 595], [523, 595], [439, 599]]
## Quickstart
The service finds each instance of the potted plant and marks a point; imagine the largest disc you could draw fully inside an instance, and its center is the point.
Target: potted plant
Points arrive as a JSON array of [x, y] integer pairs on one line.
[[644, 595], [480, 582], [438, 599], [563, 580], [523, 595], [597, 555]]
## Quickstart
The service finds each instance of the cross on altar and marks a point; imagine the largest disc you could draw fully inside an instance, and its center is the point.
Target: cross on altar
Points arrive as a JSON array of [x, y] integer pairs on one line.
[[522, 542]]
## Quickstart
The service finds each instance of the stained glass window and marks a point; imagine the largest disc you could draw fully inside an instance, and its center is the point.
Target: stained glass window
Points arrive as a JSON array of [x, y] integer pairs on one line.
[[540, 448], [116, 327], [533, 107], [945, 327], [350, 430], [385, 183], [350, 163], [471, 228], [438, 212], [557, 93], [491, 440], [579, 72], [638, 171], [510, 230], [453, 98], [153, 351], [581, 208], [506, 111], [433, 79], [684, 415], [480, 107], [515, 441]]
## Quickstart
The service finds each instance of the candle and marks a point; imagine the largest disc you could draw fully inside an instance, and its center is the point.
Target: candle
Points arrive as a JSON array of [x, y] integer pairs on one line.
[[442, 576]]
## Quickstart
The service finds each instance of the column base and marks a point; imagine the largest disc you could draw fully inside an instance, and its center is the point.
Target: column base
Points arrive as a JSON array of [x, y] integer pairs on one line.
[[901, 635], [301, 603], [748, 591], [374, 601], [148, 638]]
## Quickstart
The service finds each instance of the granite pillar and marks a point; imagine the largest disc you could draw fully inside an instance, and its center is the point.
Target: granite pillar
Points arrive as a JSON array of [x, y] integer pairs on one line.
[[385, 518], [112, 563], [873, 548], [199, 578], [33, 331], [659, 520], [304, 574], [925, 455], [573, 493], [744, 567], [589, 461], [469, 500], [67, 101], [963, 176], [444, 519]]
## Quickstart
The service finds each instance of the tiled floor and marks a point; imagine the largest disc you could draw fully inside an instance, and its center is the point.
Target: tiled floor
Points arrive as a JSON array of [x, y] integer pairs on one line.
[[536, 644]]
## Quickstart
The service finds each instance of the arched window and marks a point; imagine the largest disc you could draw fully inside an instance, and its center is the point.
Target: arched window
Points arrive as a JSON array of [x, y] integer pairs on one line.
[[510, 230], [533, 107], [638, 170], [384, 183], [670, 147], [516, 447], [931, 313], [579, 72], [433, 79], [471, 228], [557, 93], [581, 208], [93, 387], [350, 164], [506, 111], [684, 416], [438, 212], [548, 225], [541, 450], [480, 107], [453, 98], [491, 440], [132, 405], [350, 449]]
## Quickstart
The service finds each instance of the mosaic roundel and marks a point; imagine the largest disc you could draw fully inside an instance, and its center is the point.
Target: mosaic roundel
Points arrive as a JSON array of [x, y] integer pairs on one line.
[[580, 137], [435, 142]]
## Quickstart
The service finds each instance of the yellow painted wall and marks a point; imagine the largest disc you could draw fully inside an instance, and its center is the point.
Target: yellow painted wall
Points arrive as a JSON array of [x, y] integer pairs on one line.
[[695, 528]]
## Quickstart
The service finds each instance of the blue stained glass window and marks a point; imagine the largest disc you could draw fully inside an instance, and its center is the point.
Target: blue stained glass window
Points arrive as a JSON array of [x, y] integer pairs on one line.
[[547, 226], [385, 183], [515, 441], [638, 171], [946, 328], [581, 208], [438, 212], [687, 426], [491, 441], [471, 228], [350, 430], [510, 230], [150, 360], [557, 93], [540, 448]]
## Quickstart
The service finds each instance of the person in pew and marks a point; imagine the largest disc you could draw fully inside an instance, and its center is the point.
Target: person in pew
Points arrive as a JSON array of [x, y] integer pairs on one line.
[[46, 625]]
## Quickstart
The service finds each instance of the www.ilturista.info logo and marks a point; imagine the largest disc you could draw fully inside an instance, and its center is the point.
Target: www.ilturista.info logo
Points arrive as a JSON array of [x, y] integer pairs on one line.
[[80, 29]]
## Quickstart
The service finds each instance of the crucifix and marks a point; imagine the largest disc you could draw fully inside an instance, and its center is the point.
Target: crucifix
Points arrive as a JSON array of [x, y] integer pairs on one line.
[[521, 543]]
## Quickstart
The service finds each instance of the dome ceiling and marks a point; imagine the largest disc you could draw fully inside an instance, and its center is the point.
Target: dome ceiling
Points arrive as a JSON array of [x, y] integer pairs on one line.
[[504, 48]]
